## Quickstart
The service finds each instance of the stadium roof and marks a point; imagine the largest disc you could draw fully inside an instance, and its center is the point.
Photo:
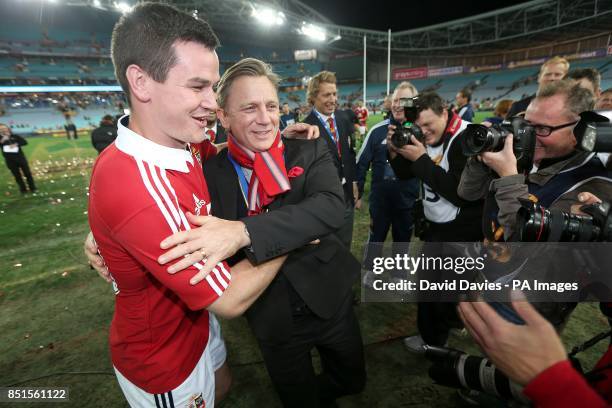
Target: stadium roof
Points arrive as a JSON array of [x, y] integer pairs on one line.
[[523, 25]]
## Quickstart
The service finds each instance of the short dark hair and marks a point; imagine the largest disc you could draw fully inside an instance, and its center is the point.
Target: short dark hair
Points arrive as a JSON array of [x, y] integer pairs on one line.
[[466, 93], [431, 100], [590, 74], [146, 36]]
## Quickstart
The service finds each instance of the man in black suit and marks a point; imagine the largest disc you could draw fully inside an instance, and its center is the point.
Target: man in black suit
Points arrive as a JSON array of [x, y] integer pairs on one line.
[[336, 129], [214, 130], [105, 134], [15, 159], [285, 194]]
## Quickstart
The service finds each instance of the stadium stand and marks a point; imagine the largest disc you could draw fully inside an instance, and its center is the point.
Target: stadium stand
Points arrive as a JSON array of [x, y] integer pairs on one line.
[[55, 53]]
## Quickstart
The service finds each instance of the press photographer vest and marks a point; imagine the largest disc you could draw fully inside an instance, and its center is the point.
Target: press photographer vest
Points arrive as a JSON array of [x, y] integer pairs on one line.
[[569, 180], [436, 208]]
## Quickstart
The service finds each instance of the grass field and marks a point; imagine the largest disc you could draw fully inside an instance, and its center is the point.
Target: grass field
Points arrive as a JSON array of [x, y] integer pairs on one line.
[[55, 311]]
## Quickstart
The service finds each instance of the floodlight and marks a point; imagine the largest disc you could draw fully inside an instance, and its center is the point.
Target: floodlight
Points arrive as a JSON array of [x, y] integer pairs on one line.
[[313, 31], [267, 16], [123, 7], [97, 3]]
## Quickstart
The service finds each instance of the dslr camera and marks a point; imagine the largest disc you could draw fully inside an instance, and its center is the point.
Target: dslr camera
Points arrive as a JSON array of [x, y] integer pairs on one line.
[[404, 131], [478, 139], [538, 224]]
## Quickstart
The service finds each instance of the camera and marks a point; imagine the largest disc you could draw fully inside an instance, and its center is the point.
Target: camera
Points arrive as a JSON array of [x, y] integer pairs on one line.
[[538, 224], [456, 369], [404, 131], [593, 133], [478, 139]]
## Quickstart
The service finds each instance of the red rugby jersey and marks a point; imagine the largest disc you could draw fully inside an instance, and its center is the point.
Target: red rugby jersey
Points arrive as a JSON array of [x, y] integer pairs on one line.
[[362, 115], [139, 194]]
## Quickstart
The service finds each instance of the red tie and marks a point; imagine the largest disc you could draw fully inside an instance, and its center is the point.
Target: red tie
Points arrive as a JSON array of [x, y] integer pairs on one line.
[[211, 134], [332, 128]]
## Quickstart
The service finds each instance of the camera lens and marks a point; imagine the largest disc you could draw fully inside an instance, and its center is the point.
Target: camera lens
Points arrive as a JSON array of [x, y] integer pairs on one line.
[[540, 225], [478, 139]]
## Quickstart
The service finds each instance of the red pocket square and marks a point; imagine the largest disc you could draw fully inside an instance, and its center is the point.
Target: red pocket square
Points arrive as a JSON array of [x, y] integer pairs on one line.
[[295, 172]]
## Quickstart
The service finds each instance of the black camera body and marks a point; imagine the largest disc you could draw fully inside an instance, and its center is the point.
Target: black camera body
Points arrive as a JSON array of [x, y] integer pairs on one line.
[[478, 139], [538, 224], [404, 131]]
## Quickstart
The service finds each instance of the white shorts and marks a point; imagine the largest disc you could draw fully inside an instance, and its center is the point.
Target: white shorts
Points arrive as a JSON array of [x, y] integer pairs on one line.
[[362, 130], [197, 391], [216, 344]]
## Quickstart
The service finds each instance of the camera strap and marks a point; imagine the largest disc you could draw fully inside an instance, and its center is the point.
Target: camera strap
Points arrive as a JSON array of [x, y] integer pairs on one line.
[[590, 343]]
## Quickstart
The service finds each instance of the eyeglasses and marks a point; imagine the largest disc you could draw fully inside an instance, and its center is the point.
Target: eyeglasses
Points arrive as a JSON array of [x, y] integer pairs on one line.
[[545, 131]]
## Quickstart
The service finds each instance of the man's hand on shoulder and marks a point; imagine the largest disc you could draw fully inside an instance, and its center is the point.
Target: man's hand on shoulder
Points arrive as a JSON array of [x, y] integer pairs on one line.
[[301, 131], [90, 248]]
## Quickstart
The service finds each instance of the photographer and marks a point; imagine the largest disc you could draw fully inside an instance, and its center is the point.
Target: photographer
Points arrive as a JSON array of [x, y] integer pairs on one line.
[[559, 173], [391, 200], [438, 162]]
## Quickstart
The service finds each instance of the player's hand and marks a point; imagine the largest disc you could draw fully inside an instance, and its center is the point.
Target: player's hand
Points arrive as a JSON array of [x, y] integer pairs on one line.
[[358, 204], [90, 248], [301, 131], [213, 241]]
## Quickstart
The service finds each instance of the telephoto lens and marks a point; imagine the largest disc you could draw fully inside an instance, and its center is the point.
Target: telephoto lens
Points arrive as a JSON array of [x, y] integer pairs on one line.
[[456, 369], [538, 224]]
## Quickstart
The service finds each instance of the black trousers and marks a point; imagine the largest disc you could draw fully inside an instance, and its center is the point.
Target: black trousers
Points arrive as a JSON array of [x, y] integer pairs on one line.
[[17, 167], [338, 341], [435, 317]]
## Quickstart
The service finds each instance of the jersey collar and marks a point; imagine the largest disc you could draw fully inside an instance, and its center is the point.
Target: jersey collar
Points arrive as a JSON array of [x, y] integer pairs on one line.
[[146, 150]]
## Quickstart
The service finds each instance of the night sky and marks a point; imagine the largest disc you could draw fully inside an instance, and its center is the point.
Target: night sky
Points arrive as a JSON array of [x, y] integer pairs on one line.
[[404, 15]]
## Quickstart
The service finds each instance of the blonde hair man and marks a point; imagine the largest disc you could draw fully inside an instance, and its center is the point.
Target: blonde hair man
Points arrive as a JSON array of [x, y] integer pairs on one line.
[[552, 70]]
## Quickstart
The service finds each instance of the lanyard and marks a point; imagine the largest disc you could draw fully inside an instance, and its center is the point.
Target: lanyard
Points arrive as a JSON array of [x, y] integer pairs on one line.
[[244, 186], [326, 125]]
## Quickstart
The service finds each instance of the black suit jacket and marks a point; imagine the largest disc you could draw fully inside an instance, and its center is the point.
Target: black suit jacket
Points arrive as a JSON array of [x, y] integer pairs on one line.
[[346, 165], [321, 275], [221, 136]]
